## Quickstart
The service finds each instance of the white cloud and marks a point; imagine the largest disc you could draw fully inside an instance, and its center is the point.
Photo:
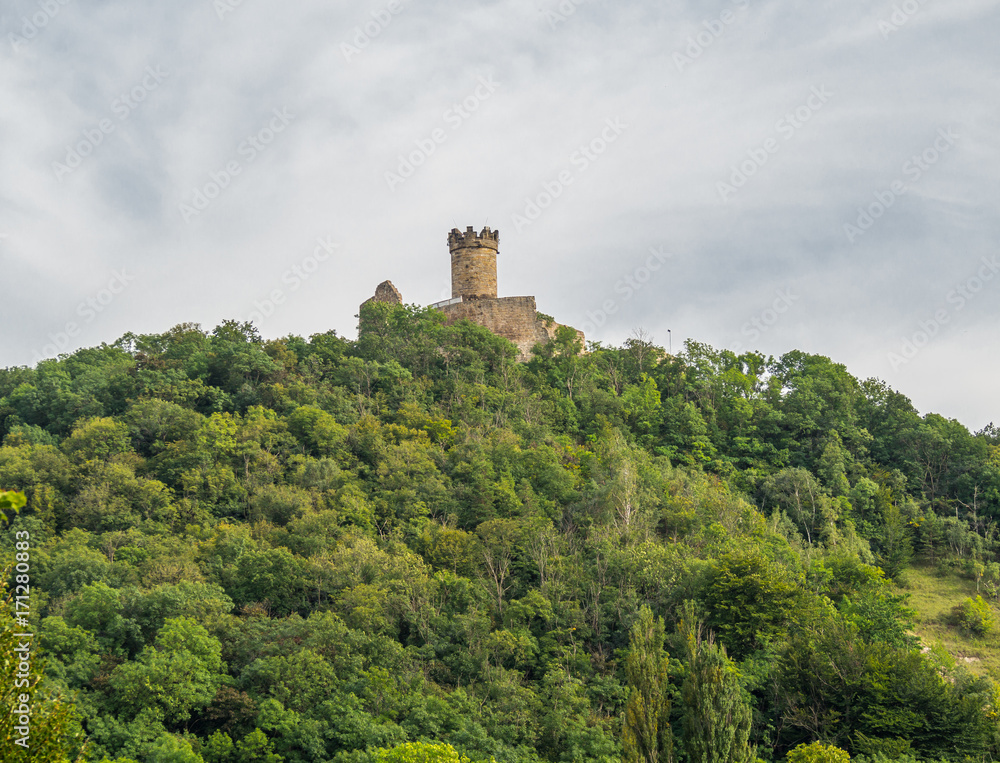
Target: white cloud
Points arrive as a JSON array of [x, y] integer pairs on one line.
[[657, 185]]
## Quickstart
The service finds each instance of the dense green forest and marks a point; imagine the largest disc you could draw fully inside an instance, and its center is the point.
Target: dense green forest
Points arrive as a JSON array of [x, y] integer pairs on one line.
[[410, 547]]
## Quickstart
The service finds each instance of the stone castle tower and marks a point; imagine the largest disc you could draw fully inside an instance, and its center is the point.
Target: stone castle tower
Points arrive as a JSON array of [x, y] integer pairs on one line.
[[474, 263], [474, 294]]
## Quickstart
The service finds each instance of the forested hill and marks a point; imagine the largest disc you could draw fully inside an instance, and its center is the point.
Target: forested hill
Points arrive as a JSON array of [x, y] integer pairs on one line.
[[410, 547]]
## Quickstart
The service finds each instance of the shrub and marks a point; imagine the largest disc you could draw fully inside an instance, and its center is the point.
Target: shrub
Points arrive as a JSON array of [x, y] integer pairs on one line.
[[975, 616], [817, 752]]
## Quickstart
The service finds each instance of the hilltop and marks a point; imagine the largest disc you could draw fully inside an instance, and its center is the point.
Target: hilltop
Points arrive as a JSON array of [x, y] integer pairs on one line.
[[413, 546]]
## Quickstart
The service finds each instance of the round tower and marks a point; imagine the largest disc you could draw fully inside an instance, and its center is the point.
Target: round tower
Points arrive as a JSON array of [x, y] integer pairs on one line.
[[474, 263]]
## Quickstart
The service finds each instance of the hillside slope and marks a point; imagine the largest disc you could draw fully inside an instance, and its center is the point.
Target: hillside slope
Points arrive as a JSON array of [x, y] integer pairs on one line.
[[411, 545]]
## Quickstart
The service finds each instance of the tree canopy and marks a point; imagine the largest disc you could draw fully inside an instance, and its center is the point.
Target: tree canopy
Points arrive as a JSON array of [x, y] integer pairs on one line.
[[412, 547]]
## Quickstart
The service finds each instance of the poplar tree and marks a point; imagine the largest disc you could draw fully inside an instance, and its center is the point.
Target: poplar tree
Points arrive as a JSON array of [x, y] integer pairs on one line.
[[716, 721], [646, 736]]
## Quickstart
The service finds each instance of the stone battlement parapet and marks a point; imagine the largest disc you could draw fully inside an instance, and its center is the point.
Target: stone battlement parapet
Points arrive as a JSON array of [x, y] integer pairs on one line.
[[487, 238]]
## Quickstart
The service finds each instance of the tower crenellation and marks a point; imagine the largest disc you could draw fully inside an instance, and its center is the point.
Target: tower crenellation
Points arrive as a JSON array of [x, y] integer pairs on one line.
[[489, 238]]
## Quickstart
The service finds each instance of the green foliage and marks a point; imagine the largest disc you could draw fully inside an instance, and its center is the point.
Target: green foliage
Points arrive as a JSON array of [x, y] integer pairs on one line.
[[97, 439], [975, 616], [10, 499], [98, 610], [219, 748], [875, 698], [410, 545], [37, 722], [255, 747], [879, 615], [420, 752], [73, 653], [817, 752], [179, 674], [798, 493], [717, 711], [751, 600], [897, 549], [646, 735], [170, 749]]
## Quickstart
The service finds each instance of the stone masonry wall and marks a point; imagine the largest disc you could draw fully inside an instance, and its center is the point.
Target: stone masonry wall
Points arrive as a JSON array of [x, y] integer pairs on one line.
[[474, 272], [386, 292], [512, 317], [474, 262]]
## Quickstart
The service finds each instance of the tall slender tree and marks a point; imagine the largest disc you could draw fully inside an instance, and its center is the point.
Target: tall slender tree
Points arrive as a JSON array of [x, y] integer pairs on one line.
[[646, 736], [716, 720]]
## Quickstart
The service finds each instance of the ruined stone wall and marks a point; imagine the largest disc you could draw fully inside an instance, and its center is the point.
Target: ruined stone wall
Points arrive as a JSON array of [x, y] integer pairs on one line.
[[515, 318], [551, 327], [512, 317], [386, 292]]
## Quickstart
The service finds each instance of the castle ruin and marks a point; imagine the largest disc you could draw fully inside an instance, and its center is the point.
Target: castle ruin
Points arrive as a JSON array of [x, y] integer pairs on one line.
[[474, 294]]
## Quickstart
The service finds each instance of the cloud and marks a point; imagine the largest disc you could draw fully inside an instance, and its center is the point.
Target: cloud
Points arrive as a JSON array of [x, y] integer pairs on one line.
[[702, 88]]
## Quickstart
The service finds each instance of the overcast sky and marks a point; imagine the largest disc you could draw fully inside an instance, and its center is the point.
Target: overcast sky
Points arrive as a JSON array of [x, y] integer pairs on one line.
[[752, 174]]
